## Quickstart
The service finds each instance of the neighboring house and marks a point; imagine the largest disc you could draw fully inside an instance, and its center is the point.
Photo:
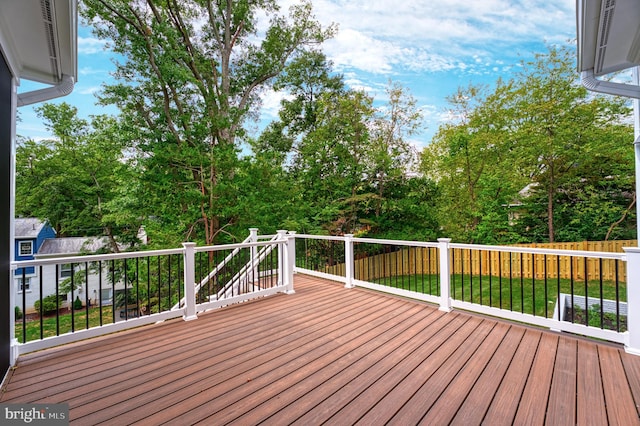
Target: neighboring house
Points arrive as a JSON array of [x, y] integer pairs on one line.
[[40, 237], [52, 275], [30, 235]]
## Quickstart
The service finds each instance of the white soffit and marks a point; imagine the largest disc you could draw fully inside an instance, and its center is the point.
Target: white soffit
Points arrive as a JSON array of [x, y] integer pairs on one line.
[[608, 35], [39, 38]]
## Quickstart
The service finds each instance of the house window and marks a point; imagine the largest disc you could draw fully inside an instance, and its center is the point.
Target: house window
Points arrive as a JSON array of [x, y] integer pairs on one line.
[[24, 284], [106, 297], [65, 270], [25, 248]]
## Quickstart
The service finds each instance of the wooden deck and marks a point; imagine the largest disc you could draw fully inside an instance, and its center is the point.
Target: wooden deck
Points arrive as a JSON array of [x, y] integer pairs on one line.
[[331, 355]]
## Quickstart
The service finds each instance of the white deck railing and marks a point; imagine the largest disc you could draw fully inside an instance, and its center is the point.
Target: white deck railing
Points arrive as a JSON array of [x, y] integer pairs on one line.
[[529, 285], [101, 294], [596, 294]]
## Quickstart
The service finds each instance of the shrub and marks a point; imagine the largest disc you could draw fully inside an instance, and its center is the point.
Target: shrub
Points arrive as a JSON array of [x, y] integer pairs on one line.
[[48, 304], [77, 304], [18, 313]]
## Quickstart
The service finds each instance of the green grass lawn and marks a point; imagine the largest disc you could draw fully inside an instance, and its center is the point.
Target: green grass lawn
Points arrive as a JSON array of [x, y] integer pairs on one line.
[[525, 296], [50, 323]]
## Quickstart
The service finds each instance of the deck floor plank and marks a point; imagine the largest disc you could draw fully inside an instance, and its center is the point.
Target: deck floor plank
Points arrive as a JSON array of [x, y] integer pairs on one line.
[[591, 408], [476, 401], [632, 370], [442, 394], [326, 381], [533, 404], [235, 368], [616, 388], [504, 405], [561, 409], [439, 367], [332, 355], [105, 371], [326, 407]]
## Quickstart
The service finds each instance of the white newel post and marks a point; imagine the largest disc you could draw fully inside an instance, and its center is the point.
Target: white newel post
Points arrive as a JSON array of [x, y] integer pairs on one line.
[[632, 345], [253, 237], [282, 275], [189, 281], [445, 274], [291, 260], [348, 261]]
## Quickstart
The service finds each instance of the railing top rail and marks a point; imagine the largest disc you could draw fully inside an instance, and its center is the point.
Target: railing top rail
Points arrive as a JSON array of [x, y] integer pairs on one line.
[[319, 237], [94, 257], [131, 254], [237, 245], [530, 250], [396, 242]]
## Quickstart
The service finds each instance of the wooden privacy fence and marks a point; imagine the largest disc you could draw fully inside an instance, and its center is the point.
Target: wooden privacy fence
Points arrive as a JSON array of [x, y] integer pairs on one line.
[[606, 246], [536, 265], [407, 261], [424, 260]]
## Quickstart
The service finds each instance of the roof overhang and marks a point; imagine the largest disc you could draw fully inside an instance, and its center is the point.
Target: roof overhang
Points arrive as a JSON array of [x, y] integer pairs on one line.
[[39, 39], [608, 41]]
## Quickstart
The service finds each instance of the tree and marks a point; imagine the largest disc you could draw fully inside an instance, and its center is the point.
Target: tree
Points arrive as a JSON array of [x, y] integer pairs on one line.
[[392, 156], [470, 160], [561, 130], [71, 180], [191, 76], [540, 147]]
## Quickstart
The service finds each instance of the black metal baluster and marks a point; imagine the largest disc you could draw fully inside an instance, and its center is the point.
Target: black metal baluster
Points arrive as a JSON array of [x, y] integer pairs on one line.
[[490, 278], [618, 297], [24, 306], [470, 276], [559, 285], [586, 292], [113, 289], [546, 291], [148, 260], [126, 291], [169, 281], [573, 305], [100, 292], [462, 272], [521, 285], [57, 299], [87, 299], [137, 287], [601, 296], [24, 311], [510, 281], [73, 315], [180, 277], [500, 276], [480, 272], [533, 282]]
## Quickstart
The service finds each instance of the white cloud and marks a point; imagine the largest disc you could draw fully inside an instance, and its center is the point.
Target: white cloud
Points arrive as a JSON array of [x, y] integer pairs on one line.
[[91, 45], [380, 36], [88, 90], [271, 103]]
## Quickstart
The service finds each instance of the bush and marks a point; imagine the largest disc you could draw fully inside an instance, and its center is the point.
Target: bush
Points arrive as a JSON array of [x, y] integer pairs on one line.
[[48, 304], [77, 304], [18, 313]]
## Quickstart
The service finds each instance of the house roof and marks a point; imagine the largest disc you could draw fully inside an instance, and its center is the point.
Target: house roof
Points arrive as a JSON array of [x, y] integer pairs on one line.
[[28, 227], [39, 38], [608, 35], [72, 246]]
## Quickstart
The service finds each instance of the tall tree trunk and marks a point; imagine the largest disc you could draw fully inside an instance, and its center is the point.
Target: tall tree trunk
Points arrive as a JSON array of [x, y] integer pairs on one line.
[[550, 194]]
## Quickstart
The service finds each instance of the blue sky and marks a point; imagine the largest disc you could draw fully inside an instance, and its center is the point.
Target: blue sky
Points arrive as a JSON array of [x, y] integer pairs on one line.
[[430, 47]]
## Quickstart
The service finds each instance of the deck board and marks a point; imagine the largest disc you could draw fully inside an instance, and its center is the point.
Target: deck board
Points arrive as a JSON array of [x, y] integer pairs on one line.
[[332, 355]]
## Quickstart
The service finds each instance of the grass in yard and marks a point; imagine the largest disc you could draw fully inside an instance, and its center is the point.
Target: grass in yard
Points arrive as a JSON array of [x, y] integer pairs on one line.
[[50, 324], [519, 295]]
